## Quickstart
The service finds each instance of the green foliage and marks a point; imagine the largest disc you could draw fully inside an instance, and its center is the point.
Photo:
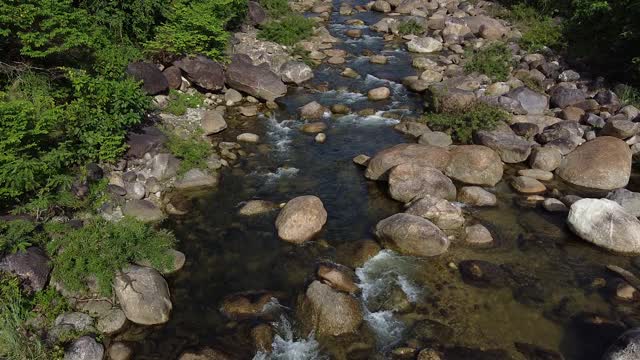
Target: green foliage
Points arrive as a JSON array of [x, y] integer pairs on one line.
[[102, 248], [112, 60], [193, 151], [538, 30], [288, 30], [179, 102], [17, 235], [17, 340], [628, 95], [410, 27], [302, 54], [530, 82], [198, 27], [276, 8], [493, 60], [462, 124]]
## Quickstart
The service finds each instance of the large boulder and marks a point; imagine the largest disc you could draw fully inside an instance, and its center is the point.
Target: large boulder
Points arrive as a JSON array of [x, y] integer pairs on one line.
[[258, 81], [153, 80], [31, 265], [626, 347], [605, 223], [442, 213], [174, 76], [409, 181], [489, 28], [603, 163], [424, 45], [143, 294], [203, 72], [196, 179], [328, 312], [475, 164], [421, 155], [301, 218], [563, 97], [511, 147], [532, 102], [412, 235], [296, 72], [256, 13], [84, 348]]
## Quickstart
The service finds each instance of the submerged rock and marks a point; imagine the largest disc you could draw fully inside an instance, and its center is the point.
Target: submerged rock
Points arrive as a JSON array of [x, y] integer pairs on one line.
[[482, 273], [409, 181], [196, 179], [249, 305], [144, 295], [420, 155], [412, 235], [476, 196], [205, 354], [605, 223], [257, 207], [301, 219], [328, 312], [478, 234]]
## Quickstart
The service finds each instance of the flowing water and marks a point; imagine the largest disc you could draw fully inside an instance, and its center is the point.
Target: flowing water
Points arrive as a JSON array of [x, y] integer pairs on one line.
[[551, 301]]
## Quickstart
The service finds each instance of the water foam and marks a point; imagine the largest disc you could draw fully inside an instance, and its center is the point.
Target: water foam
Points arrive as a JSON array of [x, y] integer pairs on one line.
[[280, 132], [281, 172], [287, 347], [371, 120], [387, 328]]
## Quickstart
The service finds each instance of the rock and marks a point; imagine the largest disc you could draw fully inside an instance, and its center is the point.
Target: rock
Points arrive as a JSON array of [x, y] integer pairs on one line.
[[474, 164], [205, 354], [435, 138], [554, 205], [327, 312], [569, 75], [84, 348], [178, 260], [563, 97], [362, 160], [258, 81], [31, 266], [608, 99], [482, 273], [424, 45], [420, 155], [378, 59], [489, 28], [249, 305], [257, 207], [431, 76], [144, 295], [135, 190], [296, 72], [510, 147], [352, 33], [380, 93], [255, 13], [262, 336], [478, 235], [143, 210], [314, 127], [440, 212], [196, 179], [452, 100], [116, 190], [545, 158], [355, 253], [527, 185], [605, 223], [340, 109], [338, 277], [111, 323], [498, 89], [149, 141], [476, 196], [153, 80], [412, 128], [120, 351], [630, 111], [71, 323], [173, 74], [572, 113], [203, 72], [320, 138], [629, 200], [626, 347], [622, 129], [300, 219], [409, 181], [412, 235], [532, 102], [350, 73], [536, 174], [603, 163], [212, 122], [248, 138], [381, 6], [164, 166], [312, 111], [561, 130], [233, 96], [429, 354]]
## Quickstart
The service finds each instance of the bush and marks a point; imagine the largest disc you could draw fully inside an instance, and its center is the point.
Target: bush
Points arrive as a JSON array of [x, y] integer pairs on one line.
[[179, 102], [287, 31], [628, 95], [538, 30], [276, 8], [410, 27], [198, 27], [101, 249], [193, 151], [493, 60], [17, 235], [464, 123]]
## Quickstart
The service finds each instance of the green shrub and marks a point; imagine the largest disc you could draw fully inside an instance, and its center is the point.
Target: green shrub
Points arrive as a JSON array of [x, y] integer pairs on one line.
[[462, 124], [628, 95], [538, 30], [198, 27], [192, 150], [493, 60], [288, 30], [410, 27], [17, 235], [111, 61], [276, 8], [179, 102], [102, 248]]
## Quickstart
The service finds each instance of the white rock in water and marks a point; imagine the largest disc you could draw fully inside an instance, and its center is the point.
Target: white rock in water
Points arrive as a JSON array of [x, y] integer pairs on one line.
[[605, 223]]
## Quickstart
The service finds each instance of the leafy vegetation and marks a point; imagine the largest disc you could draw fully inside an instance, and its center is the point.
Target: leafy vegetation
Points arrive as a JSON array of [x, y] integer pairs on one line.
[[538, 30], [463, 123], [192, 150], [17, 235], [628, 95], [493, 60], [179, 102], [410, 26], [287, 30], [102, 249], [276, 8]]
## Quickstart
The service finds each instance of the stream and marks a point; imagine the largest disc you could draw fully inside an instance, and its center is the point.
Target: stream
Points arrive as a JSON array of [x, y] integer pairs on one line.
[[556, 302]]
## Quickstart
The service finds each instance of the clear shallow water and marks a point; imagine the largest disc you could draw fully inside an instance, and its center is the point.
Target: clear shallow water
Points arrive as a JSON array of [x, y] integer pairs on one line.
[[549, 294]]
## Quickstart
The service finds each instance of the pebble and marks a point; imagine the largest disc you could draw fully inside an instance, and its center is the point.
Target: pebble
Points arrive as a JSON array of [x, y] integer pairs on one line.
[[362, 160], [528, 185]]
